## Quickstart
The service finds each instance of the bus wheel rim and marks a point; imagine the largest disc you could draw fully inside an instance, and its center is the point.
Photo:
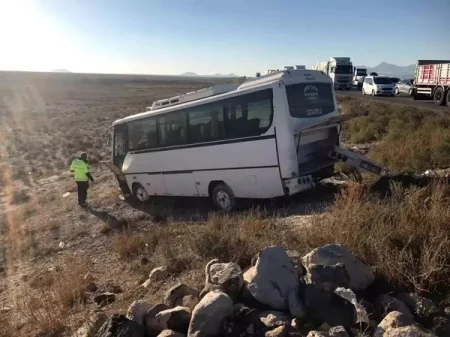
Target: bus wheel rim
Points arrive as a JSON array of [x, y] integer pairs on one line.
[[223, 199], [141, 193]]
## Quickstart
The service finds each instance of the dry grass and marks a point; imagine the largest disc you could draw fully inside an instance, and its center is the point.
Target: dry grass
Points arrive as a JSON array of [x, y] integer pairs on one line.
[[408, 139], [227, 237], [48, 307], [6, 327], [406, 237], [129, 245], [416, 151], [239, 237]]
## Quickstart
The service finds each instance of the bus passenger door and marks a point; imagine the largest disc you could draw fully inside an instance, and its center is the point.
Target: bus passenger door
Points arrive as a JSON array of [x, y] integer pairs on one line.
[[123, 186], [120, 148], [120, 145]]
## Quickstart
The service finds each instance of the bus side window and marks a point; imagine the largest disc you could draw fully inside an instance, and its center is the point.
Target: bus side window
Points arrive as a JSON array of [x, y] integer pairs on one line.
[[142, 134], [172, 129], [217, 122], [199, 125], [205, 123], [259, 113], [249, 115]]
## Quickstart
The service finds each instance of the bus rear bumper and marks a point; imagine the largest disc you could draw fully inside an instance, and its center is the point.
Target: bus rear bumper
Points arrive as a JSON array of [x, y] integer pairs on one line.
[[297, 185]]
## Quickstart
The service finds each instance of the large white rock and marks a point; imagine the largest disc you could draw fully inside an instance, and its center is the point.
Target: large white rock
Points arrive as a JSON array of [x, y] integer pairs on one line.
[[272, 278], [386, 304], [181, 295], [296, 307], [176, 319], [209, 314], [361, 276], [361, 313], [395, 324], [158, 274], [228, 276], [138, 310]]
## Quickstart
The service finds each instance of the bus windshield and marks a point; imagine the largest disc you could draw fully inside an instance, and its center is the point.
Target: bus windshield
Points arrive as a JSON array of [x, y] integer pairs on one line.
[[309, 100]]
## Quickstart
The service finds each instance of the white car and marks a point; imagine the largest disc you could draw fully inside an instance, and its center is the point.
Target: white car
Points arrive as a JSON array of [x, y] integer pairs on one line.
[[378, 86]]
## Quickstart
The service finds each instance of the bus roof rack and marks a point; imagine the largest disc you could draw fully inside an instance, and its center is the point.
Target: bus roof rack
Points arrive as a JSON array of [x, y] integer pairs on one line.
[[193, 96]]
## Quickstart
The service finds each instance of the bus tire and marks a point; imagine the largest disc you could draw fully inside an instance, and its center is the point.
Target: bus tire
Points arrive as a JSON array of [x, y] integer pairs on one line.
[[448, 97], [223, 197], [439, 96], [140, 193]]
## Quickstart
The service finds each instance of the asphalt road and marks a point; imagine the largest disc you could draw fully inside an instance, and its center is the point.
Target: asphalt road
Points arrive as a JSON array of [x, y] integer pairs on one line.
[[400, 99]]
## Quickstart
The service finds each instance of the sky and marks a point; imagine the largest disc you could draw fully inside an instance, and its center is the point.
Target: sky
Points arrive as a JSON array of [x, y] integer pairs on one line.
[[216, 36]]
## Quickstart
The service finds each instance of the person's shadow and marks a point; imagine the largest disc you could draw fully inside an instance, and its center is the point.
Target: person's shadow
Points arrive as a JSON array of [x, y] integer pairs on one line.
[[110, 220]]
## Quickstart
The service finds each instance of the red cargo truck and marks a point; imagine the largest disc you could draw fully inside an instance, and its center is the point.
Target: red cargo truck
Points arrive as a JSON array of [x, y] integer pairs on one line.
[[432, 81]]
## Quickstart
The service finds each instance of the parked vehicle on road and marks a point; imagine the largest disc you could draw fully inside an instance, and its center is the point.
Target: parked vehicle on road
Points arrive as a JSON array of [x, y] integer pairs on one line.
[[359, 74], [395, 80], [404, 87], [340, 69], [275, 135], [378, 86], [432, 81]]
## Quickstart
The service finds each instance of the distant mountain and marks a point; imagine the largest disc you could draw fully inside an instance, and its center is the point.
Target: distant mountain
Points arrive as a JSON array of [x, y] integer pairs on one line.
[[225, 75], [189, 74], [61, 71], [393, 70], [215, 75]]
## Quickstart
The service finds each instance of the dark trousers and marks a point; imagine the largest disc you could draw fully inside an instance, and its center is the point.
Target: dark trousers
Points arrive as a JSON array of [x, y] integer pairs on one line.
[[82, 191]]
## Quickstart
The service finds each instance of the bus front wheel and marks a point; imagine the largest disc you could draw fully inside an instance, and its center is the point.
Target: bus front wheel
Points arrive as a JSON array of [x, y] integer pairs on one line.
[[140, 193], [223, 197]]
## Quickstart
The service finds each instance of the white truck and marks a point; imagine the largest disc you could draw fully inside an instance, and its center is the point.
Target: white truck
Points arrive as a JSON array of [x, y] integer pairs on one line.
[[340, 69], [359, 74]]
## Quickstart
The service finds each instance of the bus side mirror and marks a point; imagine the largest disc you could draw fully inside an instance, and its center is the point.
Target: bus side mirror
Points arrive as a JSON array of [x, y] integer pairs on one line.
[[108, 139]]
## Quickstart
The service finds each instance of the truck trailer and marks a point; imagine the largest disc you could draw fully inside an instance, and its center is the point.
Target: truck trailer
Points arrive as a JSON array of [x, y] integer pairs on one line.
[[340, 69], [432, 81]]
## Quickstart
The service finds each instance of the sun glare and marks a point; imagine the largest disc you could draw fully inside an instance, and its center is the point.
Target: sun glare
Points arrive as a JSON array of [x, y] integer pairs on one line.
[[30, 40]]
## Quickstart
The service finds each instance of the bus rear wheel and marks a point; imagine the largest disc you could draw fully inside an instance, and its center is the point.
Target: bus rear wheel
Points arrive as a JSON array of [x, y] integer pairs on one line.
[[140, 193], [223, 197], [448, 97]]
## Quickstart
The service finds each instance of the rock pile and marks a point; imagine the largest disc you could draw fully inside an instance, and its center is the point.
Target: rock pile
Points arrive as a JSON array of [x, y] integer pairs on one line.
[[325, 293]]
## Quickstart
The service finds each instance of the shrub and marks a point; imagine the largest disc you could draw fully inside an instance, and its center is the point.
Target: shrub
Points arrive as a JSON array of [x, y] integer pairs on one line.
[[406, 237], [408, 139]]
